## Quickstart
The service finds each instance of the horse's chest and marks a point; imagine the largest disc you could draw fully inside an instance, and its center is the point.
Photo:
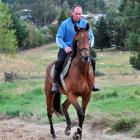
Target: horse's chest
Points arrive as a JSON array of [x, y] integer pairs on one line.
[[82, 87]]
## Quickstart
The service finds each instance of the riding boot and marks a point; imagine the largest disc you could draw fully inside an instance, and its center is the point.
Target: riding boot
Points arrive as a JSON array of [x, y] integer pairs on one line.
[[93, 67], [55, 86]]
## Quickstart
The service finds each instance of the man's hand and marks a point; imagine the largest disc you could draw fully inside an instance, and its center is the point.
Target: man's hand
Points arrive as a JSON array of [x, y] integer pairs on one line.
[[68, 50]]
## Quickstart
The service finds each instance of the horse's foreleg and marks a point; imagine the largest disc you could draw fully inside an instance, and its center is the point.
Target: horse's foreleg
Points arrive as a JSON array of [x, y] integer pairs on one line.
[[73, 100], [78, 134], [65, 106], [49, 102], [85, 101]]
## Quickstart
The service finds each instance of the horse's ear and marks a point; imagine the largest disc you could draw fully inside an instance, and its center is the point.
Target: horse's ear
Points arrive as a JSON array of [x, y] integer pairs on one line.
[[87, 27], [76, 28]]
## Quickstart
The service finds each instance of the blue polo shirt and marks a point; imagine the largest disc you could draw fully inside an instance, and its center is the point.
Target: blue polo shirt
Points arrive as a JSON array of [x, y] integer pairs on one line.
[[66, 32]]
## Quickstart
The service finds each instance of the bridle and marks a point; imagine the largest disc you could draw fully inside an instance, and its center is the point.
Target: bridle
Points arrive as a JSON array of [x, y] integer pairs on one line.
[[80, 50]]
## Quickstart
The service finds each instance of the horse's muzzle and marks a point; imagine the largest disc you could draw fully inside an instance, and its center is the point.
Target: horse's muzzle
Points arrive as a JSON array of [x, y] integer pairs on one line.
[[85, 58]]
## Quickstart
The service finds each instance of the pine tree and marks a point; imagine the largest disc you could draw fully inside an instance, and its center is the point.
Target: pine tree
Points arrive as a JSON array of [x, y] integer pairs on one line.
[[101, 37], [63, 16], [8, 42], [131, 23]]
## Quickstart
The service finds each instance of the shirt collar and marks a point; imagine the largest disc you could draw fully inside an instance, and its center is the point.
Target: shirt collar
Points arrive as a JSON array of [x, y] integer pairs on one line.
[[74, 21]]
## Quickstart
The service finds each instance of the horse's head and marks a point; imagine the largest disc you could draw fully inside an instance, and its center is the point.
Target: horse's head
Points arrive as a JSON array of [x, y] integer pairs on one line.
[[82, 42]]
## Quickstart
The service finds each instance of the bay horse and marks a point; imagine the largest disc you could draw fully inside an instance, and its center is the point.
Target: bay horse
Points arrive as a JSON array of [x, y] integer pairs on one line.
[[79, 82]]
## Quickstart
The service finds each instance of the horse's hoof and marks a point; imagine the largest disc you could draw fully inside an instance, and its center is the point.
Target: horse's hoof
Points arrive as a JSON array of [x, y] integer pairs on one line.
[[76, 136], [67, 132], [53, 136]]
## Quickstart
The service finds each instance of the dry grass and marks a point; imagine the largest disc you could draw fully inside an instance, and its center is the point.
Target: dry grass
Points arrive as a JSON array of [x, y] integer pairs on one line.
[[33, 62], [27, 63]]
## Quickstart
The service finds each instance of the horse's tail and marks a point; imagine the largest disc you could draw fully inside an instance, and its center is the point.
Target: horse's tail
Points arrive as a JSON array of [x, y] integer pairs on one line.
[[57, 104]]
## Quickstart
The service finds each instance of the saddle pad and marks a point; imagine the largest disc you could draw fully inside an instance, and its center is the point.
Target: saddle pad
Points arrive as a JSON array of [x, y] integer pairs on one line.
[[63, 73]]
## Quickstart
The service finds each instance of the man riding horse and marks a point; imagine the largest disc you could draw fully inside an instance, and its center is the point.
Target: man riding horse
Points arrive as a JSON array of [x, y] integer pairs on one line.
[[64, 40]]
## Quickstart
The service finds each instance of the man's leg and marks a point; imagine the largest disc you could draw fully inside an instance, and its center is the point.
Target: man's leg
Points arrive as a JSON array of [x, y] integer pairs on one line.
[[57, 69], [93, 63]]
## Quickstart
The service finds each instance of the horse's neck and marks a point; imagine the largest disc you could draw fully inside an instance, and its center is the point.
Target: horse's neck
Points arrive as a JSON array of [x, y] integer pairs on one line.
[[82, 67]]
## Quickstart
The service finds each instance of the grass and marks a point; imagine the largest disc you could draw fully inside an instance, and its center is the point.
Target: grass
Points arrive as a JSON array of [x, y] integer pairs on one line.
[[119, 96]]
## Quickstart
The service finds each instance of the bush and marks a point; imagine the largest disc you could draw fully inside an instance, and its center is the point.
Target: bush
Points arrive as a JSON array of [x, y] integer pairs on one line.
[[135, 61], [124, 125], [4, 97], [37, 36], [53, 30], [13, 113], [48, 35], [114, 94], [40, 38], [93, 52], [137, 92]]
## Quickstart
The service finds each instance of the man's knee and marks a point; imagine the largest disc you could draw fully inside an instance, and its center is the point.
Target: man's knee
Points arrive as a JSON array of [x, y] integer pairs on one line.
[[59, 64]]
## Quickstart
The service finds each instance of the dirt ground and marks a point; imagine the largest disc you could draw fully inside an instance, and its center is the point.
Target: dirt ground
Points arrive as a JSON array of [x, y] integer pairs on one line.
[[16, 129]]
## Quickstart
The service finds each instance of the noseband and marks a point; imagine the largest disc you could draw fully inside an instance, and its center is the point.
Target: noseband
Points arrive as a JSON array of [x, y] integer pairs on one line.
[[83, 49]]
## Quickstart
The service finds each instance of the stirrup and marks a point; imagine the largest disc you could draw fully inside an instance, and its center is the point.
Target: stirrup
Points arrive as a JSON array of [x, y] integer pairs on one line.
[[55, 88]]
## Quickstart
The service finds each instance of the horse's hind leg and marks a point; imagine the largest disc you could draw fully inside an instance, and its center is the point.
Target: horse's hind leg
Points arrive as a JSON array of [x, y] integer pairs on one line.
[[49, 102], [51, 126], [65, 106]]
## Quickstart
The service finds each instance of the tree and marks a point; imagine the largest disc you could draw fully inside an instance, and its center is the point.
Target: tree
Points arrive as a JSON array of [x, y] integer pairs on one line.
[[8, 43], [115, 28], [63, 16], [20, 32], [43, 12], [131, 10], [101, 36], [101, 5]]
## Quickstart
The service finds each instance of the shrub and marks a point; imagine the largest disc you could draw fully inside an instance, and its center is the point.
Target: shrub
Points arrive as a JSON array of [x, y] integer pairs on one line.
[[4, 97], [114, 94], [40, 38], [93, 53], [47, 33], [134, 61], [137, 92], [124, 125], [53, 30], [13, 113]]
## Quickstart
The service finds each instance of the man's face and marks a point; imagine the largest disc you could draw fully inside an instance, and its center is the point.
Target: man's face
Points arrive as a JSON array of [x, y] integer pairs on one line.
[[77, 13]]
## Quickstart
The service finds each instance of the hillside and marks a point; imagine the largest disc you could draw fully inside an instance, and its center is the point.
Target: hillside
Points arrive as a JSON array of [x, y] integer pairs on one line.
[[22, 103]]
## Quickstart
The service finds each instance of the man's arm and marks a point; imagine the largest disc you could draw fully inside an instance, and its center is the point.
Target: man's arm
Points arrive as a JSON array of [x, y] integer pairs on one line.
[[60, 36], [91, 36]]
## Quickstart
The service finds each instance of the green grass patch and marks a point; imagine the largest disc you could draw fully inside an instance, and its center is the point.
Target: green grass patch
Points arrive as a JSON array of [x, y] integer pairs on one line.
[[25, 102]]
